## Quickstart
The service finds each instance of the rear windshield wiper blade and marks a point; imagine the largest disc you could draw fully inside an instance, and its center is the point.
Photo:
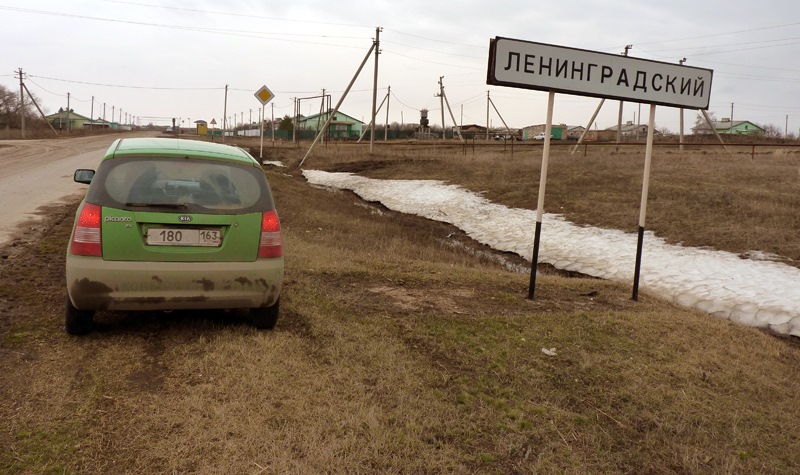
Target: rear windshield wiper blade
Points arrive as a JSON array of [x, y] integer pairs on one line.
[[159, 205]]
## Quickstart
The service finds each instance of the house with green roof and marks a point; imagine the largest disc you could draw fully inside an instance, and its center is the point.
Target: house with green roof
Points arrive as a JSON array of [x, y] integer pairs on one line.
[[342, 126], [67, 120], [727, 126]]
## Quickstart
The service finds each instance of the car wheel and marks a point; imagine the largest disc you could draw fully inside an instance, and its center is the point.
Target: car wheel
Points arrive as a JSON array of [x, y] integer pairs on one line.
[[79, 322], [265, 318]]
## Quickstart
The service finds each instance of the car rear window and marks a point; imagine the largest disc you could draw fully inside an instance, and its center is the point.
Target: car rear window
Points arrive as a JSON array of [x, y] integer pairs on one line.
[[193, 184]]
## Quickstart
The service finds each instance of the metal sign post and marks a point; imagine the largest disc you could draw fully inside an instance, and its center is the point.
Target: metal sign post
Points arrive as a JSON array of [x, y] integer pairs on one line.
[[648, 158], [542, 183], [264, 95]]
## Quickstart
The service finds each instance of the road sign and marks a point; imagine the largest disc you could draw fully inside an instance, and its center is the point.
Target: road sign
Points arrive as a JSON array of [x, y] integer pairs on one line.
[[545, 67], [213, 121], [264, 95]]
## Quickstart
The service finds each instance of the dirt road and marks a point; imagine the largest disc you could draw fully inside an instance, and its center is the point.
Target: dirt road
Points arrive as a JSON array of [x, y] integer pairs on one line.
[[37, 173]]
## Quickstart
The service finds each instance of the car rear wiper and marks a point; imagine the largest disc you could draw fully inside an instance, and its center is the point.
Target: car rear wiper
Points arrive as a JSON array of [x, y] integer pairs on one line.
[[159, 205]]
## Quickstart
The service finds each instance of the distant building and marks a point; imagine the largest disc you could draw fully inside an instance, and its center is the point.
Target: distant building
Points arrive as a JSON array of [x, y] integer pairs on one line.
[[575, 131], [557, 132], [341, 127], [727, 126], [67, 120], [631, 130], [473, 131], [99, 123]]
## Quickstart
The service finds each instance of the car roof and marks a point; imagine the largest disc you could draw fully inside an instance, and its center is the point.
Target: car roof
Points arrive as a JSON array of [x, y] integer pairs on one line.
[[171, 148]]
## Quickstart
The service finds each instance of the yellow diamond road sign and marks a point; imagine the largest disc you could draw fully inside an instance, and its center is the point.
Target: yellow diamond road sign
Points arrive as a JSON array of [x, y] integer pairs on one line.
[[264, 95]]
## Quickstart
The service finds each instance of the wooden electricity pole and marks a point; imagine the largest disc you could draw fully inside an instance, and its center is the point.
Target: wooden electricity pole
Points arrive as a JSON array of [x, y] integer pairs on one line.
[[33, 100], [441, 102], [386, 126], [21, 104], [377, 46], [619, 116], [680, 137], [488, 101], [225, 114]]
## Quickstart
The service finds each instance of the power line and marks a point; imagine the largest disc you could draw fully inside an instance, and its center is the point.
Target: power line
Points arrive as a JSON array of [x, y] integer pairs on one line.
[[197, 10], [730, 44], [403, 103], [737, 32], [131, 87], [433, 50], [40, 87], [708, 53], [432, 62], [436, 40], [256, 35]]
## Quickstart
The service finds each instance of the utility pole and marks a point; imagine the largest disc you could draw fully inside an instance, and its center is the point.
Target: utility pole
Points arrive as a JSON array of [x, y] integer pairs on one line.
[[680, 137], [69, 124], [272, 124], [488, 101], [225, 114], [619, 116], [441, 104], [375, 87], [319, 116], [638, 121], [294, 119], [386, 127], [91, 114], [33, 100], [21, 104], [112, 113], [786, 127], [453, 117]]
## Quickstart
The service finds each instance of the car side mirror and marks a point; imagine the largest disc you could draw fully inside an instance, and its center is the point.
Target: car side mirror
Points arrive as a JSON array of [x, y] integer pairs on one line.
[[83, 175]]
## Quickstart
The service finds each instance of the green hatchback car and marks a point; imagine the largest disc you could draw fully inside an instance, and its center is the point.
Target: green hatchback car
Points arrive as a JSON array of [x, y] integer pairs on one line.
[[171, 224]]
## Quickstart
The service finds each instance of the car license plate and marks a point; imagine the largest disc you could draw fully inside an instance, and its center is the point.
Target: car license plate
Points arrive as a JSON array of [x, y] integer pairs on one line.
[[184, 237]]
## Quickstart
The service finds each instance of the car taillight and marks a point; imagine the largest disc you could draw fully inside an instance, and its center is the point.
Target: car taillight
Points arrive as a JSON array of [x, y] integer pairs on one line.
[[86, 237], [271, 244]]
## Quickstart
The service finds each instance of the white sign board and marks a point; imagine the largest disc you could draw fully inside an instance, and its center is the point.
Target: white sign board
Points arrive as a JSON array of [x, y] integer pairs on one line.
[[529, 65]]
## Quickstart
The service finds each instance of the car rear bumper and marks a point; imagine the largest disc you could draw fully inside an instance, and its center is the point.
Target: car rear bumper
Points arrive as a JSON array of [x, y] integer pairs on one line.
[[95, 284]]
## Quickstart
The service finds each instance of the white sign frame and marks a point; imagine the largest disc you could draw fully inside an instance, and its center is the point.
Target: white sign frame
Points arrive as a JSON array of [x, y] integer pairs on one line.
[[546, 67]]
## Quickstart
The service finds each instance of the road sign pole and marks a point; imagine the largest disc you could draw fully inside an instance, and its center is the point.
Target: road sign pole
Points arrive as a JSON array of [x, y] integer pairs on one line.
[[648, 158], [264, 95], [261, 134], [542, 183]]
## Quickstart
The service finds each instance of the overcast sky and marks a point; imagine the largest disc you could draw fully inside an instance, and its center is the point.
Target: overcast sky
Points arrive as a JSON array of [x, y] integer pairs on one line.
[[156, 60]]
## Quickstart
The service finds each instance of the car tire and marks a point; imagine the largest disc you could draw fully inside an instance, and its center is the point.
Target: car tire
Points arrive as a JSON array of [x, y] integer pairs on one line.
[[265, 318], [78, 322]]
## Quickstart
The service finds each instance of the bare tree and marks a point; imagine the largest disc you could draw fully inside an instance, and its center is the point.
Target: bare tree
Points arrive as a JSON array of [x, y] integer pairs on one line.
[[9, 103], [772, 131], [9, 109], [700, 121]]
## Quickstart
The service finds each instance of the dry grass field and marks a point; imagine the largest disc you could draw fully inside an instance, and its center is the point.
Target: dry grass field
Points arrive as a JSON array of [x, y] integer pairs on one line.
[[403, 347]]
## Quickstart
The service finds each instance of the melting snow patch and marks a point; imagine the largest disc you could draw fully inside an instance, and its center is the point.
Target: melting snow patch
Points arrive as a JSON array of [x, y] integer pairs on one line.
[[759, 293]]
